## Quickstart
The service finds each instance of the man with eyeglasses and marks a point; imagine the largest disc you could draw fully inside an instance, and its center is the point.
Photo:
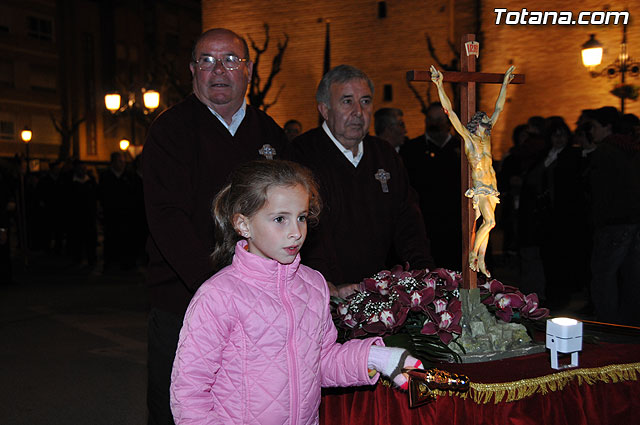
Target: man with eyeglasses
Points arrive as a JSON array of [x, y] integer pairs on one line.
[[371, 219], [190, 150]]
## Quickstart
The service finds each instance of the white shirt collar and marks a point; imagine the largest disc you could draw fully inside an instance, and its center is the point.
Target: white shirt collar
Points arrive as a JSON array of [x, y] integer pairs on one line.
[[355, 160], [236, 119]]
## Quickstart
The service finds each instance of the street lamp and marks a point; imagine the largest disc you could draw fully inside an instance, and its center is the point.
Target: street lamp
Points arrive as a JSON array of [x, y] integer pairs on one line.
[[623, 65], [150, 98], [124, 145], [26, 135]]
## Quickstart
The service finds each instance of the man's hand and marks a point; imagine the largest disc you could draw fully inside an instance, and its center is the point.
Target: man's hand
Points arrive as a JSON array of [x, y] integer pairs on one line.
[[436, 76]]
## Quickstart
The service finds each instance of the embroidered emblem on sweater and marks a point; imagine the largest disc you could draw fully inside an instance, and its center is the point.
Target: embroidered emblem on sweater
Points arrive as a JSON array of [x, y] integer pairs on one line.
[[383, 176], [267, 151]]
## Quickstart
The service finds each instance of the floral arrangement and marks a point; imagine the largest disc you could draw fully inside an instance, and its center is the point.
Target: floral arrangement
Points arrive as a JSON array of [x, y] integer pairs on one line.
[[626, 91], [420, 310], [508, 303]]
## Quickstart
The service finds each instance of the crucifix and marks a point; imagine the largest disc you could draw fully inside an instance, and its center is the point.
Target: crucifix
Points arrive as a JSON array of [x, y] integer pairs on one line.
[[468, 78]]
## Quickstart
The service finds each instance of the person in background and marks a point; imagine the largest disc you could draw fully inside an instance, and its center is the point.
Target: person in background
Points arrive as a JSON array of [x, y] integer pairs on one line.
[[389, 125], [190, 151], [117, 199], [433, 163], [292, 129], [615, 191]]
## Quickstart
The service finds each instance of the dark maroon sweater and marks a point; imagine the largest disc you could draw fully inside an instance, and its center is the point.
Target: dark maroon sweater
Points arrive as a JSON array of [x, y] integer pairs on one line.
[[188, 156], [361, 227]]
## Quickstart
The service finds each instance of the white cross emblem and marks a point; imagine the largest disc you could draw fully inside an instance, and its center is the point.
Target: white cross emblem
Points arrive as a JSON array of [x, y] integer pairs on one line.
[[383, 176], [267, 151]]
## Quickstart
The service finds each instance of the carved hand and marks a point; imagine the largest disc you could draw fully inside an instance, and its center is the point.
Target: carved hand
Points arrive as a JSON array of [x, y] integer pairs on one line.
[[508, 76], [436, 76]]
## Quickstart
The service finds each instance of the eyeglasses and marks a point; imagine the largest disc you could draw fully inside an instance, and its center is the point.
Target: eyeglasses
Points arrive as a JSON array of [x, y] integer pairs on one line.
[[230, 62]]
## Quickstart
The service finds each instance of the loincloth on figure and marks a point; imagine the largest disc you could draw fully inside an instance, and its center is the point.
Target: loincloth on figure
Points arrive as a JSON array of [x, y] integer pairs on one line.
[[482, 190]]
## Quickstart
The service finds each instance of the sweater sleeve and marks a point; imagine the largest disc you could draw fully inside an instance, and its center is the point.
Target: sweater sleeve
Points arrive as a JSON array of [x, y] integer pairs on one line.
[[168, 192], [204, 334]]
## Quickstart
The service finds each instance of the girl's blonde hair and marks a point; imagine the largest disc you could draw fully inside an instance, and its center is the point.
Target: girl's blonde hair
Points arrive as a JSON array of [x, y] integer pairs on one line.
[[247, 193]]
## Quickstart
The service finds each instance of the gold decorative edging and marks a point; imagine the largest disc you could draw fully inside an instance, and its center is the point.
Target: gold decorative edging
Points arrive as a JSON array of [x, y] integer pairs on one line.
[[517, 390]]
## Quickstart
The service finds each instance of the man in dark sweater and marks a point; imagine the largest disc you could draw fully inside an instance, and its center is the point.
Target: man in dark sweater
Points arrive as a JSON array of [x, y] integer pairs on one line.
[[190, 150], [433, 164], [370, 215]]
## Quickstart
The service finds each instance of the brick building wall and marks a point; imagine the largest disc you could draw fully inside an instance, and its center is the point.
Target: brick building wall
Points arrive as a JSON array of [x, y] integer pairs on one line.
[[385, 48]]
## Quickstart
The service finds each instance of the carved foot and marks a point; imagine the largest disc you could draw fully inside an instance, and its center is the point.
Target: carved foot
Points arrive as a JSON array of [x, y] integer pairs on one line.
[[473, 261], [483, 268]]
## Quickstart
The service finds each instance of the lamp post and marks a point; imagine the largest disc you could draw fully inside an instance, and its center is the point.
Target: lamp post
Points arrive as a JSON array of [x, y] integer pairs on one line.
[[623, 65], [26, 135], [151, 101]]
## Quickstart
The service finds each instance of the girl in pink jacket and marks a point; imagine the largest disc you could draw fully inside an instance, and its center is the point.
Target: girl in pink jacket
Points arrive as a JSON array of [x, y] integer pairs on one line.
[[258, 341]]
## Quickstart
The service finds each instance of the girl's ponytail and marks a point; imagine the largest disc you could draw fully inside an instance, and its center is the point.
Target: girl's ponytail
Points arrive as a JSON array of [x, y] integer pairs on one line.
[[225, 235]]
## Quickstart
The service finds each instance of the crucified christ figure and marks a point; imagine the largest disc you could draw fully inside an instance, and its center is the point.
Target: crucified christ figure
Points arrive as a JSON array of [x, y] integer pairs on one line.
[[477, 147]]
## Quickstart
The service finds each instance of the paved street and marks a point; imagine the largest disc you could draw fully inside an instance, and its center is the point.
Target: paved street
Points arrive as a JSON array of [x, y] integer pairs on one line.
[[73, 347]]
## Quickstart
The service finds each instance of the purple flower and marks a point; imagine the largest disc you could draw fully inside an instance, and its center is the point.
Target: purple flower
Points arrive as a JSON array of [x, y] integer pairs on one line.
[[440, 305], [430, 282], [505, 314], [380, 286], [451, 278], [348, 320], [446, 322], [530, 309]]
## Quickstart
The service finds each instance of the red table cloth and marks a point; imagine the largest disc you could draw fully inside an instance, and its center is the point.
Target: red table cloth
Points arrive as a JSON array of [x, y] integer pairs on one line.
[[524, 390]]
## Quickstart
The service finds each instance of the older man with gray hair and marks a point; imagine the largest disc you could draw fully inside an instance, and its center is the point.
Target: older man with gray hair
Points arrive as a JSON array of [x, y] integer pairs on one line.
[[371, 219]]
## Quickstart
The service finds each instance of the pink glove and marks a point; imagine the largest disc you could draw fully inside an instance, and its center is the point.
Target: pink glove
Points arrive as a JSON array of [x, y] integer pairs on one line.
[[390, 361]]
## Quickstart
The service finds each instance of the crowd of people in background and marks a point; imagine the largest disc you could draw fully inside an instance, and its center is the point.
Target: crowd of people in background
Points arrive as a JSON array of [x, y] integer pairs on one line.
[[571, 210], [567, 197], [74, 210], [570, 204]]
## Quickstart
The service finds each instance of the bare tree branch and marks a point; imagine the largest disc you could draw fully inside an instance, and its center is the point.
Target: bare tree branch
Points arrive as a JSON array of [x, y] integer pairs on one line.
[[423, 105], [268, 105], [257, 94], [66, 132]]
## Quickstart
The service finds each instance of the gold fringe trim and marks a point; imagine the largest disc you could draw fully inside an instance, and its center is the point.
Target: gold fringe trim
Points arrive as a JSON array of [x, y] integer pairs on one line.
[[517, 390]]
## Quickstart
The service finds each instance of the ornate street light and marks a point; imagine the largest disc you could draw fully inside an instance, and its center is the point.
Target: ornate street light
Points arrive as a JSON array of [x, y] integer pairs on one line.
[[150, 98], [592, 53], [124, 145], [26, 134], [623, 65]]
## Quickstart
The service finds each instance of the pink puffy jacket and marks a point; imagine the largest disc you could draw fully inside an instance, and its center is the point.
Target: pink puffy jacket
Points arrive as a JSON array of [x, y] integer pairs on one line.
[[257, 344]]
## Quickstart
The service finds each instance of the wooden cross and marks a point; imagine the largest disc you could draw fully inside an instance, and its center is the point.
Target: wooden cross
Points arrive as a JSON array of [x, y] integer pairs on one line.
[[383, 176], [468, 78]]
